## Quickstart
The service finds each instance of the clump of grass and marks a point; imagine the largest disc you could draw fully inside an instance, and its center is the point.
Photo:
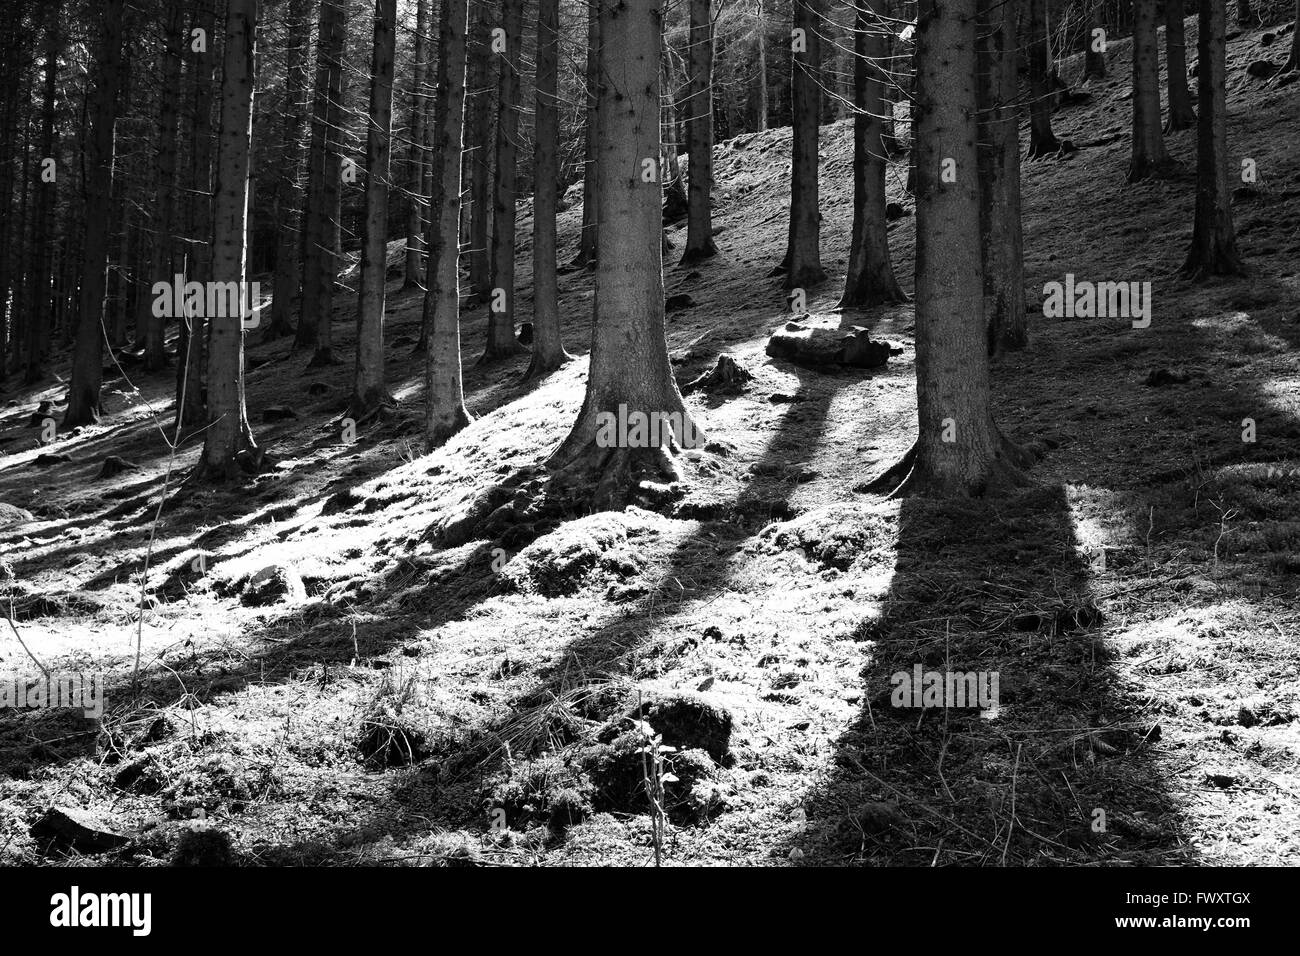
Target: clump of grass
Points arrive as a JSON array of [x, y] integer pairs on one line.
[[387, 736]]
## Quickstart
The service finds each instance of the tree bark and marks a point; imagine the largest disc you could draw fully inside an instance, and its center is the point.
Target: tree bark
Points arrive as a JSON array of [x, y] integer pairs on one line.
[[699, 136], [478, 137], [802, 262], [548, 348], [228, 447], [369, 391], [1042, 141], [445, 413], [1149, 156], [84, 404], [1094, 60], [959, 451], [1181, 113], [42, 300], [501, 341], [760, 45], [630, 370], [1001, 231], [1214, 240], [870, 279], [590, 172], [418, 162]]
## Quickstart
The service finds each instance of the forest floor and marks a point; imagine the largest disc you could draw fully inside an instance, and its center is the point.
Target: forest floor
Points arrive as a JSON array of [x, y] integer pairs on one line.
[[333, 677]]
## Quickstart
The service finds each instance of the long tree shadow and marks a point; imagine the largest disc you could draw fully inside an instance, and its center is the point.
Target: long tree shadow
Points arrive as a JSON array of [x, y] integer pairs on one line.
[[1061, 768]]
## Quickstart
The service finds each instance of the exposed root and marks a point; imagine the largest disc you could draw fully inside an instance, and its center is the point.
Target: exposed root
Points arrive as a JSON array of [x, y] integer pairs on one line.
[[904, 480]]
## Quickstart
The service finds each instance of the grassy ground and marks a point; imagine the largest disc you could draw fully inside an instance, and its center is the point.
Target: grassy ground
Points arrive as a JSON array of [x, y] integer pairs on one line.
[[390, 692]]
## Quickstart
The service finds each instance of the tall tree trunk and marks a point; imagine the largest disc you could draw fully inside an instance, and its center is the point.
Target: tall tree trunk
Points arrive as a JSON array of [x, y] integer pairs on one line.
[[1181, 113], [1246, 17], [228, 447], [1094, 51], [591, 170], [870, 279], [84, 405], [1001, 232], [288, 191], [548, 348], [369, 391], [478, 135], [1214, 240], [445, 412], [959, 451], [699, 136], [418, 162], [802, 262], [164, 183], [42, 299], [760, 45], [1149, 156], [324, 189], [630, 371], [191, 408], [1042, 141], [501, 341]]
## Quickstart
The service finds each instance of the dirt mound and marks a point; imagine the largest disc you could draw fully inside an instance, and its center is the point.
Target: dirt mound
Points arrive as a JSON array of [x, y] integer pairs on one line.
[[834, 537], [599, 550]]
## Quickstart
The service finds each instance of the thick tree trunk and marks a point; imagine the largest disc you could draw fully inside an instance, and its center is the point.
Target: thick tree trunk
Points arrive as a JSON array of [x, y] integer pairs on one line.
[[699, 136], [959, 451], [1149, 156], [164, 182], [42, 300], [802, 262], [289, 193], [630, 371], [228, 447], [591, 171], [760, 46], [324, 188], [87, 361], [501, 341], [1001, 231], [191, 410], [1094, 54], [418, 162], [870, 280], [1181, 113], [478, 138], [445, 412], [548, 348], [1214, 240], [369, 392], [1042, 141]]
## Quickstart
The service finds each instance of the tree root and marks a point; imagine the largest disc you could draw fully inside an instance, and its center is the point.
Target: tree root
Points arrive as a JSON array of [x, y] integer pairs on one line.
[[904, 480]]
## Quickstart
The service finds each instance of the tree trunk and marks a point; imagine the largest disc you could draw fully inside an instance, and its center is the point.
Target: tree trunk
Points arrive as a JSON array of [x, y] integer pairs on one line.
[[1181, 113], [324, 187], [1246, 17], [1149, 156], [478, 140], [760, 44], [501, 341], [1094, 54], [630, 370], [548, 349], [369, 392], [1001, 232], [445, 412], [699, 136], [42, 299], [802, 262], [870, 280], [1214, 240], [191, 409], [591, 171], [84, 404], [959, 451], [418, 162], [289, 193], [1042, 141], [228, 447]]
